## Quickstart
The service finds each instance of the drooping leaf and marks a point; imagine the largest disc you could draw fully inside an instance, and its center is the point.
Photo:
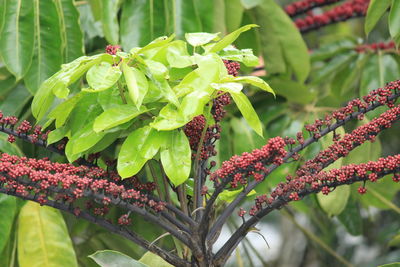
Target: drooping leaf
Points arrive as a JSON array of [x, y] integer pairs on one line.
[[255, 81], [43, 238], [109, 19], [376, 9], [103, 76], [71, 33], [248, 112], [394, 19], [293, 47], [176, 157], [185, 17], [17, 36], [116, 116], [8, 207], [110, 258], [130, 159], [48, 53]]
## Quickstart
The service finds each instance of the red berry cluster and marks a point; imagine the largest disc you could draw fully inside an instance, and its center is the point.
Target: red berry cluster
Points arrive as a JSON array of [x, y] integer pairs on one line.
[[375, 47], [113, 49], [233, 67], [303, 6], [295, 189], [348, 10], [69, 183], [251, 164]]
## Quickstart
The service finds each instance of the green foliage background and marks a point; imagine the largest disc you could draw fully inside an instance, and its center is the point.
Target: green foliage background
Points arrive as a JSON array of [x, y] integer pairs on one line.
[[36, 37]]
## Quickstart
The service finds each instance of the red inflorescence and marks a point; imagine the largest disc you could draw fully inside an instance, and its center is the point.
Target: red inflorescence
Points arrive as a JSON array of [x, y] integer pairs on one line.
[[251, 164], [375, 47], [125, 220], [303, 6], [68, 183], [112, 49], [348, 10], [233, 67]]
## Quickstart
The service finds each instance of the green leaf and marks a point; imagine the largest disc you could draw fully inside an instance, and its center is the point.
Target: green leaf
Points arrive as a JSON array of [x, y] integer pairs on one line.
[[43, 238], [110, 258], [109, 19], [228, 87], [255, 81], [394, 264], [71, 33], [351, 218], [233, 14], [376, 9], [152, 259], [83, 140], [230, 195], [282, 28], [230, 38], [130, 159], [200, 38], [244, 55], [193, 104], [248, 4], [56, 135], [185, 17], [176, 157], [293, 91], [103, 76], [169, 118], [248, 112], [141, 22], [394, 19], [62, 111], [177, 55], [335, 202], [8, 207], [48, 54], [17, 36], [116, 116], [9, 148]]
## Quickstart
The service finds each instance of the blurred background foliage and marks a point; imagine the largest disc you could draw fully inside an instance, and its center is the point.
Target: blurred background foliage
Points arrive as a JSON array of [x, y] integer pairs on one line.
[[311, 73]]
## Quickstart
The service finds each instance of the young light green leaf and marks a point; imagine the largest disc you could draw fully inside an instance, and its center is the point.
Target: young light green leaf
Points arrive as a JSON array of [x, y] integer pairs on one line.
[[201, 38], [116, 116], [229, 196], [169, 118], [62, 111], [376, 9], [394, 19], [152, 259], [193, 104], [157, 69], [160, 41], [255, 81], [177, 55], [243, 55], [43, 238], [136, 82], [230, 38], [248, 112], [176, 157], [130, 159], [334, 203], [103, 76], [228, 87], [57, 135], [110, 258], [85, 138]]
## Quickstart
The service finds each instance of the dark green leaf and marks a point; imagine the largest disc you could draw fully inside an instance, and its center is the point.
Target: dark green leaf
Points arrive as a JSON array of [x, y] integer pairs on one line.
[[233, 14], [185, 17], [351, 218], [8, 207], [394, 19], [293, 91], [176, 157], [17, 36], [109, 19]]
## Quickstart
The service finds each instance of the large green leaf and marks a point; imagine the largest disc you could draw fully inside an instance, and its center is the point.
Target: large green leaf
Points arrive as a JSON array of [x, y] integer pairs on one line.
[[8, 207], [152, 259], [48, 54], [71, 33], [116, 116], [83, 140], [185, 18], [43, 239], [17, 36], [130, 159], [394, 19], [109, 19], [110, 258], [293, 47], [169, 118], [248, 112], [233, 14], [141, 22], [176, 157], [351, 218], [62, 111], [103, 76], [376, 9]]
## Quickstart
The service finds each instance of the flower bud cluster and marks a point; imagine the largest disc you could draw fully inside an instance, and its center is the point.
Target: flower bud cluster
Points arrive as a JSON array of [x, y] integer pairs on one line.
[[375, 47], [68, 183], [238, 168], [299, 7], [112, 49], [348, 10]]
